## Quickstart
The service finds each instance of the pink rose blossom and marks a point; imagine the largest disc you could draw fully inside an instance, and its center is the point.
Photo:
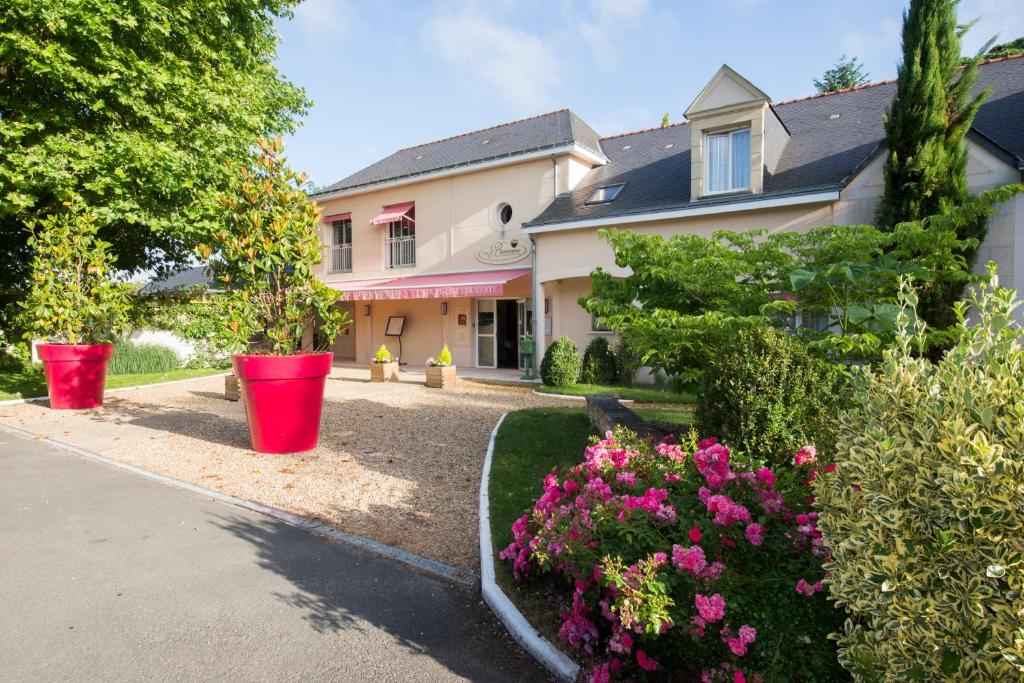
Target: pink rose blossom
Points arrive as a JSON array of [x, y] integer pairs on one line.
[[694, 534], [755, 534], [711, 609], [645, 662]]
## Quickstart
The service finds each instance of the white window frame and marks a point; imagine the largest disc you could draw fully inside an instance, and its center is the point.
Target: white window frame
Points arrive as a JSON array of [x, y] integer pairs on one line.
[[336, 246], [728, 157]]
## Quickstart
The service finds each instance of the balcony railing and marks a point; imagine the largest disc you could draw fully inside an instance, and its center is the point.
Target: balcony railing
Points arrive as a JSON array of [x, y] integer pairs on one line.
[[340, 259], [401, 252]]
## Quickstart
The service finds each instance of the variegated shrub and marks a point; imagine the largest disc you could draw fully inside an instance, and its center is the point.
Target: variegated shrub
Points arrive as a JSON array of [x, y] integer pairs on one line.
[[924, 511]]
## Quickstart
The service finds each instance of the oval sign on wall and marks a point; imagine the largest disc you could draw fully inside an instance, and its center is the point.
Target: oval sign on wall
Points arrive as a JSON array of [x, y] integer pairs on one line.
[[503, 251]]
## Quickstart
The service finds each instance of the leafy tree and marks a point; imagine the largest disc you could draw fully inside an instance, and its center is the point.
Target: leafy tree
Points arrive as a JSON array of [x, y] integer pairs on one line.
[[264, 253], [73, 299], [1013, 47], [925, 170], [687, 296], [132, 109], [846, 73], [664, 120]]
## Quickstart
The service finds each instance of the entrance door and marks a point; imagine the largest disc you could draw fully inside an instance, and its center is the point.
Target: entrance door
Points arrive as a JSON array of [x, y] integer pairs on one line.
[[486, 333], [508, 334]]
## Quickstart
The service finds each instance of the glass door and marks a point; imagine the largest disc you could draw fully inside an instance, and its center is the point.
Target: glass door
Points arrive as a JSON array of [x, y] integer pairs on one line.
[[525, 311], [486, 333]]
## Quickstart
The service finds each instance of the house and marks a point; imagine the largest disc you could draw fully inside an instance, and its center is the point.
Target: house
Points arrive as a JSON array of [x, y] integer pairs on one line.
[[462, 238]]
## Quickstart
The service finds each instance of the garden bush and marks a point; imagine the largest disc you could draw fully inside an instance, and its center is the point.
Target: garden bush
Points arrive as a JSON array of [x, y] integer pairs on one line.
[[132, 359], [764, 394], [599, 363], [681, 565], [923, 510], [561, 363]]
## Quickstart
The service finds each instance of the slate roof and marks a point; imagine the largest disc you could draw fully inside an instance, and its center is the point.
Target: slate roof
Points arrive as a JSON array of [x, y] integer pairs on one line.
[[191, 277], [515, 138], [823, 153]]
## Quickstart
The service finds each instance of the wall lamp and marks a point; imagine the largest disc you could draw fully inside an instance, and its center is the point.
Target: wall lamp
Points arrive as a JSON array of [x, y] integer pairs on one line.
[[444, 308], [366, 310]]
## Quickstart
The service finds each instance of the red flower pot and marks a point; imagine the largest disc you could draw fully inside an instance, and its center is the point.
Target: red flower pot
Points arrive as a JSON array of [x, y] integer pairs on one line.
[[283, 398], [76, 374]]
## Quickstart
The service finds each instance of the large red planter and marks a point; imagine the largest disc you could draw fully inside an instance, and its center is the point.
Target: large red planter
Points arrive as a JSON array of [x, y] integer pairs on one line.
[[283, 397], [76, 374]]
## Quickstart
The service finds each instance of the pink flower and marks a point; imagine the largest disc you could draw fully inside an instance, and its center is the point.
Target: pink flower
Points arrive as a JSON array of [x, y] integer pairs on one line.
[[672, 478], [755, 534], [660, 558], [689, 559], [804, 588], [738, 677], [694, 533], [711, 609], [645, 662], [627, 478], [748, 634], [601, 673], [806, 456], [767, 476]]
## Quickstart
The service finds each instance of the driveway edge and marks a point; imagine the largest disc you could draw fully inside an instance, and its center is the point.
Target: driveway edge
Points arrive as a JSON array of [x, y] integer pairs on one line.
[[434, 567], [549, 656]]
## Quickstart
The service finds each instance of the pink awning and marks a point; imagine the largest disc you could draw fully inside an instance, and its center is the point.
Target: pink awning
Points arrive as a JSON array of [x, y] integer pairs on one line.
[[447, 286], [393, 213], [336, 217]]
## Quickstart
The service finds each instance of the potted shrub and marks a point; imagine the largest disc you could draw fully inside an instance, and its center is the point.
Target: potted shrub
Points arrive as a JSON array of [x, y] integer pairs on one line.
[[383, 368], [440, 370], [264, 251], [74, 306]]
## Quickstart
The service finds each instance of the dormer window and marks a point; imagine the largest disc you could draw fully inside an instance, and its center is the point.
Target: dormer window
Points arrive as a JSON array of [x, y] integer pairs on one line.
[[728, 161], [605, 194]]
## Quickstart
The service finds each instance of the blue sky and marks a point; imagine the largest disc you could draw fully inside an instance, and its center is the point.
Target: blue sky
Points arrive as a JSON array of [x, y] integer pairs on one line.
[[387, 75]]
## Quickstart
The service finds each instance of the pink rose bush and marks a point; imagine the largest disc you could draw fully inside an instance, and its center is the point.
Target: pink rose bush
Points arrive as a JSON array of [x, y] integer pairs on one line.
[[682, 561]]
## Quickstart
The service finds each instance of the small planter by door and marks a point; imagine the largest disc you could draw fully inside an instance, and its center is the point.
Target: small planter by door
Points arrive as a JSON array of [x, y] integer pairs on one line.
[[384, 372], [283, 397], [441, 377], [76, 374]]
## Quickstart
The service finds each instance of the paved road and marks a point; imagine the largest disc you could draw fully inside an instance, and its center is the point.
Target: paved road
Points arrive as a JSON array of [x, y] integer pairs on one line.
[[106, 575]]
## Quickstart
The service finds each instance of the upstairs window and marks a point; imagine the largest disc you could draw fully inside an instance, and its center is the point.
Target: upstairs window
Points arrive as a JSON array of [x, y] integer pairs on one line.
[[728, 161], [401, 241], [605, 194], [341, 246]]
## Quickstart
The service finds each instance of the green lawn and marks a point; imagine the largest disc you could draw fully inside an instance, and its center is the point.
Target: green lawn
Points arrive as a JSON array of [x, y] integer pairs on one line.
[[671, 414], [529, 444], [649, 394], [29, 383]]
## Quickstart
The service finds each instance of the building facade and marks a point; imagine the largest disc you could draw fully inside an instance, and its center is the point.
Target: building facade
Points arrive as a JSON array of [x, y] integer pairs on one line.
[[463, 238]]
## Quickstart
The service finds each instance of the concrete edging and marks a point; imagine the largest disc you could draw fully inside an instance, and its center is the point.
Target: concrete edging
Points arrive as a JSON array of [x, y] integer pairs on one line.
[[16, 401], [575, 398], [434, 567], [549, 656]]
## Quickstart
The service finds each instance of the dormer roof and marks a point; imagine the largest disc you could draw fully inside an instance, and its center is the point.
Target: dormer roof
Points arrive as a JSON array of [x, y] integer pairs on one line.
[[725, 91]]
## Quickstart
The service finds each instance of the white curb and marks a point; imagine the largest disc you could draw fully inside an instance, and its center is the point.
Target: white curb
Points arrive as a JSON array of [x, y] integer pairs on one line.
[[574, 398], [15, 401], [434, 567], [553, 659]]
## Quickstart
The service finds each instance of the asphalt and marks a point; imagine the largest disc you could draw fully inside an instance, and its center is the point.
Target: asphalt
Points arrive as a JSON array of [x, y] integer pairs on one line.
[[106, 575]]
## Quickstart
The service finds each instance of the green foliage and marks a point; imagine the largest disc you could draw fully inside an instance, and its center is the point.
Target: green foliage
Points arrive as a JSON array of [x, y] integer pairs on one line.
[[664, 120], [695, 292], [444, 358], [848, 72], [133, 359], [561, 363], [193, 314], [382, 355], [926, 166], [599, 363], [266, 249], [73, 299], [763, 393], [923, 511], [1013, 47], [627, 362], [133, 108]]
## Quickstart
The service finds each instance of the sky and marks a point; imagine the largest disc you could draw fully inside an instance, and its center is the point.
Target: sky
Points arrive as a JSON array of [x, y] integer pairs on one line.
[[384, 75]]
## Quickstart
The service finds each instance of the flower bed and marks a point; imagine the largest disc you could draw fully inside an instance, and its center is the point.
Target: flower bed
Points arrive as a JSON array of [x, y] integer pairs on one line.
[[682, 565]]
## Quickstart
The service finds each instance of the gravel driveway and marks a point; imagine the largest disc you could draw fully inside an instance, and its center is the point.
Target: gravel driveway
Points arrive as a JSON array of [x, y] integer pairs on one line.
[[398, 463]]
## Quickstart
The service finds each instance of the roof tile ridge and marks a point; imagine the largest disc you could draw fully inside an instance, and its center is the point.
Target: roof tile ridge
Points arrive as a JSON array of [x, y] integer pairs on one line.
[[486, 128], [644, 130]]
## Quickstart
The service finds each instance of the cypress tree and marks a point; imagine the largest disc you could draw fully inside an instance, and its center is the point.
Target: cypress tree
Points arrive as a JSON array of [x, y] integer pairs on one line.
[[926, 170]]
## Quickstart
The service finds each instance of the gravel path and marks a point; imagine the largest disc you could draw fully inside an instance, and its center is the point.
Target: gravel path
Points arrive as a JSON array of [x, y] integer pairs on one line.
[[398, 463]]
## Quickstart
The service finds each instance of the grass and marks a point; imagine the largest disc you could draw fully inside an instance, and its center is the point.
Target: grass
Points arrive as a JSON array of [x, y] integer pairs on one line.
[[29, 382], [529, 444], [665, 414], [640, 394]]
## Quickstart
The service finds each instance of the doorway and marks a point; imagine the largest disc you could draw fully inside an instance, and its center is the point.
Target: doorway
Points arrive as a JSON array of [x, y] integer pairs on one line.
[[497, 333], [508, 334]]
